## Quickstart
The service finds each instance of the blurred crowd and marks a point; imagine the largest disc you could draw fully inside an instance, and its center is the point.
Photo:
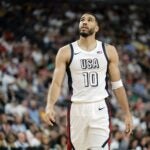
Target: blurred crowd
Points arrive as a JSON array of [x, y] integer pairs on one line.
[[31, 34]]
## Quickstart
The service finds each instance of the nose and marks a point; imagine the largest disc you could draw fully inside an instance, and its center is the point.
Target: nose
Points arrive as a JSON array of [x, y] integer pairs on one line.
[[84, 21]]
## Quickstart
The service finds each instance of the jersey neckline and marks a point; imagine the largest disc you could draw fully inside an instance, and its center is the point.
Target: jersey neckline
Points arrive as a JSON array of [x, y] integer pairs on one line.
[[88, 52]]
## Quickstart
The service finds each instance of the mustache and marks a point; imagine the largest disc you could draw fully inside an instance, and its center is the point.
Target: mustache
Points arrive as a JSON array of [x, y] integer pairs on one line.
[[84, 27]]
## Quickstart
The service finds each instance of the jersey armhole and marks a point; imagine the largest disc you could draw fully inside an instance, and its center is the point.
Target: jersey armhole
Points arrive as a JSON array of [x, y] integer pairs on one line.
[[71, 50], [107, 74], [104, 49]]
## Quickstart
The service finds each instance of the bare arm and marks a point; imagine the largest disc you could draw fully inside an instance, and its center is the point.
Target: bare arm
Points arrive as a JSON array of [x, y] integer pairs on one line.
[[119, 92], [58, 76], [55, 88]]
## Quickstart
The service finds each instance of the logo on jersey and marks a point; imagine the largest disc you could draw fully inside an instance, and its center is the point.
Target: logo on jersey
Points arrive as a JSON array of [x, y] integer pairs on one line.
[[77, 53], [99, 52], [100, 108], [89, 63]]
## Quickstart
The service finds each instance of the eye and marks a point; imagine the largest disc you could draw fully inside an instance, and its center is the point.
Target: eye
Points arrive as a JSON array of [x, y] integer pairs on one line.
[[90, 19], [82, 19]]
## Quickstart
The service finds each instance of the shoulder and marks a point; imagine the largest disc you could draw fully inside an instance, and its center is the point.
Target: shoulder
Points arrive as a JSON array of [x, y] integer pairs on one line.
[[109, 47], [111, 51], [64, 53], [64, 49]]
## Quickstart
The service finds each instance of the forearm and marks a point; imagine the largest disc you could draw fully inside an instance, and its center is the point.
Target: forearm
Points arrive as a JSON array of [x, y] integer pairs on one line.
[[122, 99], [53, 94]]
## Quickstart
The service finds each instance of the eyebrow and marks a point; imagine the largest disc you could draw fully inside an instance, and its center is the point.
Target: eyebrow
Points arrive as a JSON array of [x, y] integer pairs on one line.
[[89, 17]]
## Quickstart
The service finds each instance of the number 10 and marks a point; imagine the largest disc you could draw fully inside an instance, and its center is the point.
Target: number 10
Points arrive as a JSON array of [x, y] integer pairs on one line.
[[90, 79]]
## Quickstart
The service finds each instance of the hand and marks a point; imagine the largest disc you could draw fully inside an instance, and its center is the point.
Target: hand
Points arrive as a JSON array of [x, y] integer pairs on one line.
[[128, 124], [50, 115]]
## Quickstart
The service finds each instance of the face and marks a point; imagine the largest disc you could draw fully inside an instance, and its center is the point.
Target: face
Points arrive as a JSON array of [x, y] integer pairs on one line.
[[88, 25]]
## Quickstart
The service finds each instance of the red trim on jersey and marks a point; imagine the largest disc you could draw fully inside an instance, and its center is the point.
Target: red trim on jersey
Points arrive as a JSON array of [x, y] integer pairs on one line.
[[110, 124], [69, 143]]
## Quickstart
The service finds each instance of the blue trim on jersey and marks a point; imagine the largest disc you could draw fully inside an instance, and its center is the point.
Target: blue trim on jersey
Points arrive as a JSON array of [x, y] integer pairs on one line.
[[72, 52], [103, 46], [106, 79], [68, 70], [69, 80]]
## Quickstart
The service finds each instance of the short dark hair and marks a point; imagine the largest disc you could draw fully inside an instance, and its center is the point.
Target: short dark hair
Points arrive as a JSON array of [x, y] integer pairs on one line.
[[96, 18]]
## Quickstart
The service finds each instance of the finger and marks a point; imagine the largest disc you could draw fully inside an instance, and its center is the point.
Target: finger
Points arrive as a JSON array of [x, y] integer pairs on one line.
[[128, 130], [51, 123], [129, 133], [49, 120], [52, 118]]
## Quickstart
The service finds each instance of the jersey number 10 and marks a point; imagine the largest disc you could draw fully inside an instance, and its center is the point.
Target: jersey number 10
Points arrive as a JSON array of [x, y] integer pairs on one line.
[[90, 79]]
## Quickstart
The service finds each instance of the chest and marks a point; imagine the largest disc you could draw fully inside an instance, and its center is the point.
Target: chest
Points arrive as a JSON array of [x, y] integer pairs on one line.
[[94, 61]]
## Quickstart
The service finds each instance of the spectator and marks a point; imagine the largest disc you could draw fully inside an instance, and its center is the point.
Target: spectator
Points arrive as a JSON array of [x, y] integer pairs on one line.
[[21, 141], [30, 35]]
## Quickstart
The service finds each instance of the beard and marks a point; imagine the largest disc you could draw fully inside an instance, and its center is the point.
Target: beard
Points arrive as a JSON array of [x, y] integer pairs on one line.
[[86, 34]]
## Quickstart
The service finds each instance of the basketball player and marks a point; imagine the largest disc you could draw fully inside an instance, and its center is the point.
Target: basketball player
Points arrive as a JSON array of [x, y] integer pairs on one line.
[[87, 62]]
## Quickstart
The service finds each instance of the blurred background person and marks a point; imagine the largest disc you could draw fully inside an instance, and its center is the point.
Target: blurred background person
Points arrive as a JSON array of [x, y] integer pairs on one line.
[[31, 32]]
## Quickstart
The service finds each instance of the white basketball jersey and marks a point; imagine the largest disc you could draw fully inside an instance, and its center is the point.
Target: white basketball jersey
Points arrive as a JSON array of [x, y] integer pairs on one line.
[[87, 73]]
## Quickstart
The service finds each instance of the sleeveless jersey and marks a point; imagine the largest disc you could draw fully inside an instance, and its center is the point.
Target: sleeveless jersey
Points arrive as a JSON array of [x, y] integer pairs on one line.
[[87, 73]]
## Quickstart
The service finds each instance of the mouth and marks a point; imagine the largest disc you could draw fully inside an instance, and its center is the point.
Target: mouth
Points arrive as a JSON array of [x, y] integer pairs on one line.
[[84, 28]]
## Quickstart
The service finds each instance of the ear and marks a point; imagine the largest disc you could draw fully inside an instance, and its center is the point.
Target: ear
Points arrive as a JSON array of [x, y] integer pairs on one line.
[[97, 29]]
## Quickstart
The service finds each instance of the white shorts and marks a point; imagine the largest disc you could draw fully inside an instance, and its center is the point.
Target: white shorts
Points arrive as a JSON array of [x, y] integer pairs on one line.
[[88, 126]]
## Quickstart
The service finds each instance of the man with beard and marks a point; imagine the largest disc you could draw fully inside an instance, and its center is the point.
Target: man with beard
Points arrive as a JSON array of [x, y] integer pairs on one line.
[[87, 62]]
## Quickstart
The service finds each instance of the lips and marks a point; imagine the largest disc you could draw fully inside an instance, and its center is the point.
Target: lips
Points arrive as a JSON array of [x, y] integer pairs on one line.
[[84, 27]]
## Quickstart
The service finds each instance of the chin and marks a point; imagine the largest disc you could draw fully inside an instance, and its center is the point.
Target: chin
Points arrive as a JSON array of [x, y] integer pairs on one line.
[[84, 34]]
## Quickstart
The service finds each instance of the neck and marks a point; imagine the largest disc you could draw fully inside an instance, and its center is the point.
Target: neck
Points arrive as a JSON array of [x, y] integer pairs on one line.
[[88, 43]]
